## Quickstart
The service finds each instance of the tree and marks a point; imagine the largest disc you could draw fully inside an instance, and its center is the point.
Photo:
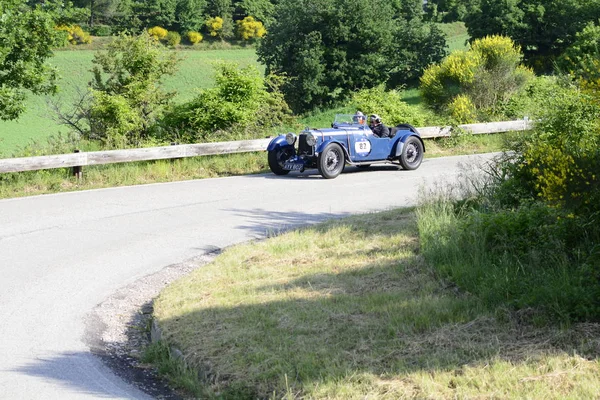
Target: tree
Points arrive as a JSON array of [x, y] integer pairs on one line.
[[331, 48], [262, 10], [126, 95], [327, 48], [26, 39], [543, 28], [179, 15]]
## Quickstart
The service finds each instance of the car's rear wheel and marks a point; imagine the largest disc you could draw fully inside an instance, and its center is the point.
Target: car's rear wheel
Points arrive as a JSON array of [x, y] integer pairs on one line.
[[331, 161], [412, 153], [277, 158]]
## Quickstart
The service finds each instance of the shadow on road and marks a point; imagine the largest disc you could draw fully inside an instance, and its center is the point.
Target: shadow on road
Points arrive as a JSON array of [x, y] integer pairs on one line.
[[271, 223]]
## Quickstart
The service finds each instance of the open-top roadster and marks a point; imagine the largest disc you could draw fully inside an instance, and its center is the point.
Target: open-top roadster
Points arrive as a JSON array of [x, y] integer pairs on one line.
[[348, 141]]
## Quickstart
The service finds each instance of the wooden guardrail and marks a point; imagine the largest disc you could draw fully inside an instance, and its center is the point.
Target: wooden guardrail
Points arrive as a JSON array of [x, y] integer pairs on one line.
[[78, 159]]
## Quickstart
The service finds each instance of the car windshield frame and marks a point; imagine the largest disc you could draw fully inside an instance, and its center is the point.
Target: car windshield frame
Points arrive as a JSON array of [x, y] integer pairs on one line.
[[349, 120]]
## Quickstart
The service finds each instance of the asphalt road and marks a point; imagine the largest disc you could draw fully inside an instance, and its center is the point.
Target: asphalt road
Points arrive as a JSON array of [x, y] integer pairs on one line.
[[60, 255]]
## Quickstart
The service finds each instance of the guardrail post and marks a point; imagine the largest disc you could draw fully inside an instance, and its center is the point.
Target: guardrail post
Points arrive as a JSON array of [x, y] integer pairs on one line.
[[78, 170]]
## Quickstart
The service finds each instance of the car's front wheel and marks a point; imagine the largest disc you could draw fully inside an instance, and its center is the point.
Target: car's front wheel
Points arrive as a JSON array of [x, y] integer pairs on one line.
[[277, 158], [331, 161], [412, 153]]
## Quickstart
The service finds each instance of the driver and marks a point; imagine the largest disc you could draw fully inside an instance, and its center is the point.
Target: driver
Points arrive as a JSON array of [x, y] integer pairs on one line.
[[379, 129], [359, 118]]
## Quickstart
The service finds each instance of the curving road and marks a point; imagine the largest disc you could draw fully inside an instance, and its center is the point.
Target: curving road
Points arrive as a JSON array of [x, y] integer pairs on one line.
[[61, 255]]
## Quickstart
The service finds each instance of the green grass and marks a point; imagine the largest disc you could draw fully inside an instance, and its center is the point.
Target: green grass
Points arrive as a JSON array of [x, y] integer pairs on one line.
[[37, 123], [457, 36], [349, 310]]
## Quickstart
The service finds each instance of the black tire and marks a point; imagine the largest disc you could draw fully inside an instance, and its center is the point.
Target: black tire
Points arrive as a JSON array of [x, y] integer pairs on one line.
[[331, 161], [412, 153], [276, 159]]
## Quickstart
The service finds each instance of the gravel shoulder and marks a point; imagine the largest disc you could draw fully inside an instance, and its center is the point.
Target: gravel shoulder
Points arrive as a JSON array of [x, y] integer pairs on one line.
[[118, 329]]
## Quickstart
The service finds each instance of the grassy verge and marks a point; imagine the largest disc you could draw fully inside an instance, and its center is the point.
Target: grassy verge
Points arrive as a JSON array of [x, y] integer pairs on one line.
[[349, 310], [101, 176]]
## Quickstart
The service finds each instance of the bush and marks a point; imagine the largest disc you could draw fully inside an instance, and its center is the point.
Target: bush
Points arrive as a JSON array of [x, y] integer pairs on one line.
[[157, 32], [75, 34], [194, 37], [388, 105], [172, 39], [249, 28], [462, 110], [238, 106], [101, 30], [214, 26], [489, 74]]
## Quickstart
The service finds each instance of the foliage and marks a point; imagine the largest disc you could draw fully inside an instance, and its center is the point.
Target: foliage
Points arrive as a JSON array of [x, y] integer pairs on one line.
[[214, 26], [249, 28], [448, 10], [529, 99], [462, 110], [75, 34], [158, 32], [528, 234], [101, 30], [240, 101], [26, 39], [388, 105], [194, 37], [328, 49], [489, 74], [581, 61], [126, 96], [543, 28], [173, 39], [177, 15], [262, 10], [414, 47]]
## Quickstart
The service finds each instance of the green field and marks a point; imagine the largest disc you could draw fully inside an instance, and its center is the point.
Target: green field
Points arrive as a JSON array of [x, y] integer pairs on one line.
[[195, 71]]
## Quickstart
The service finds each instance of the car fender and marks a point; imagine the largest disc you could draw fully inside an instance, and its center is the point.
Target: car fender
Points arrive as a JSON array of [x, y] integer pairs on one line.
[[277, 142], [403, 139], [321, 147]]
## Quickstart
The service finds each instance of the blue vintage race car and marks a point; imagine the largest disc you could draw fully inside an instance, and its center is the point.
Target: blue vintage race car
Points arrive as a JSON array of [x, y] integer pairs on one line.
[[348, 141]]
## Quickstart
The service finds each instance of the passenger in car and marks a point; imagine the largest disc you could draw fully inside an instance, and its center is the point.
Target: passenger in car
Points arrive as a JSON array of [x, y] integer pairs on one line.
[[378, 129]]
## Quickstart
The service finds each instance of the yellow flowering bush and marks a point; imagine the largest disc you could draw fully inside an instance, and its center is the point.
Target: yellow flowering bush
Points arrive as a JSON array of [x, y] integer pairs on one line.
[[462, 110], [194, 37], [158, 32], [488, 74], [75, 34], [215, 26], [249, 28]]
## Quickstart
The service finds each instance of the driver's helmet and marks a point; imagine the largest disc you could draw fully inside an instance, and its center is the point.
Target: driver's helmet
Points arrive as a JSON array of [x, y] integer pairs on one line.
[[374, 118], [359, 118]]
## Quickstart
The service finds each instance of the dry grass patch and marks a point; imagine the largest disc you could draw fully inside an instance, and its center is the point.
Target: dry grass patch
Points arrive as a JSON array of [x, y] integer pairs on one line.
[[348, 310]]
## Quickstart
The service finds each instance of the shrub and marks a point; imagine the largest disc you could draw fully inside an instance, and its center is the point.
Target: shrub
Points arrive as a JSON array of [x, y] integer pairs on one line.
[[239, 102], [173, 39], [489, 74], [462, 110], [249, 28], [75, 34], [194, 37], [214, 26], [101, 30], [388, 105], [157, 32]]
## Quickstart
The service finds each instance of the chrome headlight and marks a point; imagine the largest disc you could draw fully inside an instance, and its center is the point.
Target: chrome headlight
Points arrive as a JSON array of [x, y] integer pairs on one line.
[[290, 138], [311, 140]]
